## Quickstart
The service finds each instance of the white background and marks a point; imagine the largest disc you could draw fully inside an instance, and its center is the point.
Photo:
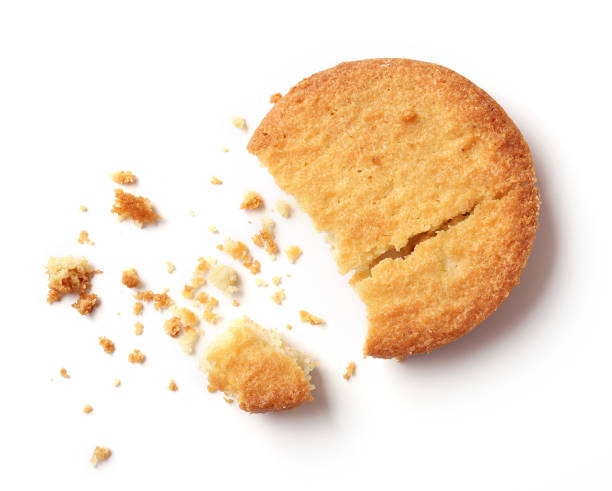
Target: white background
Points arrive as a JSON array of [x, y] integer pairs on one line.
[[87, 88]]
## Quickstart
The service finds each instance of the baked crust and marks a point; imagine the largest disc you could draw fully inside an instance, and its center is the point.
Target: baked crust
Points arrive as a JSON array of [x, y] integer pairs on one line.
[[389, 157]]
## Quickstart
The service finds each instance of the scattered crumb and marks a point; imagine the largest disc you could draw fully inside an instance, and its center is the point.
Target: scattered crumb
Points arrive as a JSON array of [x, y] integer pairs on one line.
[[350, 370], [239, 251], [225, 278], [171, 267], [191, 213], [172, 386], [260, 282], [130, 278], [87, 409], [64, 373], [116, 382], [100, 454], [197, 279], [136, 356], [84, 238], [161, 301], [293, 252], [86, 303], [68, 275], [283, 208], [138, 328], [138, 308], [173, 327], [239, 122], [83, 208], [235, 303], [229, 400], [289, 327], [279, 296], [215, 180], [107, 344], [265, 237], [187, 317], [225, 149], [311, 319], [274, 98], [208, 303], [139, 209], [189, 339], [123, 177], [277, 280], [251, 201], [213, 229]]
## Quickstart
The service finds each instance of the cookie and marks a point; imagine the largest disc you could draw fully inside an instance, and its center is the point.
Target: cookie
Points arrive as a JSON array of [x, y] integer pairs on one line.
[[424, 186]]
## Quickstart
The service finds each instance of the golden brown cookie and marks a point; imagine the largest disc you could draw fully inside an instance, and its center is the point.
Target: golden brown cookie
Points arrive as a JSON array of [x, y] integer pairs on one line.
[[423, 185]]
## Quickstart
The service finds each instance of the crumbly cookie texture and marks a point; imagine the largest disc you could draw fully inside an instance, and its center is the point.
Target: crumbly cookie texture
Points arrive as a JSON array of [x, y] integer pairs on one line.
[[278, 296], [189, 339], [350, 370], [139, 209], [130, 278], [239, 251], [68, 275], [293, 252], [161, 301], [100, 454], [173, 327], [107, 345], [123, 177], [225, 278], [136, 356], [86, 303], [424, 186], [265, 237], [309, 318], [209, 303], [257, 367], [251, 201]]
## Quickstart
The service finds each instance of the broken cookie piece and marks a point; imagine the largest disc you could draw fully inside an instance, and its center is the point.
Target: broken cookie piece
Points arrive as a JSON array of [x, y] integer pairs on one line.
[[139, 209], [239, 251], [251, 201], [257, 367], [130, 278], [293, 252], [68, 275]]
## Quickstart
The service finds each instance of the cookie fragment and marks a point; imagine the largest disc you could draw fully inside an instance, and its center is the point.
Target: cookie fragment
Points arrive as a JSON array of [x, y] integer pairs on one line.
[[138, 208], [251, 201], [293, 252], [130, 278], [123, 177], [310, 319], [100, 454]]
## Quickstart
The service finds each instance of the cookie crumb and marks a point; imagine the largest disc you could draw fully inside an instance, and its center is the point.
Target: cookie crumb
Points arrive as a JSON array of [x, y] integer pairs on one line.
[[138, 208], [278, 297], [350, 370], [289, 327], [107, 344], [276, 280], [261, 283], [239, 122], [130, 278], [172, 386], [86, 303], [213, 229], [123, 177], [274, 98], [138, 308], [239, 251], [208, 303], [173, 327], [170, 266], [136, 356], [83, 208], [161, 301], [251, 201], [293, 252], [87, 409], [225, 278], [84, 238], [215, 180], [311, 319], [138, 328], [64, 373], [100, 454], [283, 208], [68, 275], [235, 303], [116, 382], [189, 339], [265, 237]]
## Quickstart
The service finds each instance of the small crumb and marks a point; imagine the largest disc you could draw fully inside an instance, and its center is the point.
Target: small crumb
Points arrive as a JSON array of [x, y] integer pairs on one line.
[[311, 319], [215, 180], [138, 328], [171, 267], [213, 229], [239, 122], [86, 303], [265, 237], [173, 327], [274, 98], [289, 327], [350, 370], [83, 208], [239, 251], [84, 238], [293, 252], [208, 303], [278, 297], [130, 278], [138, 308], [172, 386], [260, 282], [283, 208], [191, 213], [189, 339], [139, 209], [225, 149], [87, 409], [235, 303], [116, 382], [225, 278], [107, 344], [251, 201], [68, 275], [228, 400], [100, 454], [188, 318], [121, 177], [136, 356], [276, 280], [161, 301], [64, 373]]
